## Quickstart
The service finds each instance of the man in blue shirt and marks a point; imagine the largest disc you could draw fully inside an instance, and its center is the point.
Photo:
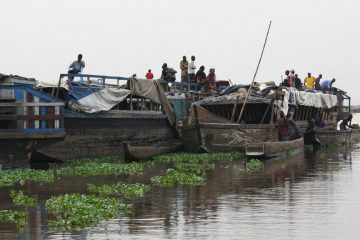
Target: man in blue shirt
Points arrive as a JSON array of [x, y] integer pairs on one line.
[[326, 85]]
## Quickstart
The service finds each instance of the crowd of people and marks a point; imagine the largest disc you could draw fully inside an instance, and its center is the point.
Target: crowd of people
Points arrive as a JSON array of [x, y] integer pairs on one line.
[[195, 80], [292, 79]]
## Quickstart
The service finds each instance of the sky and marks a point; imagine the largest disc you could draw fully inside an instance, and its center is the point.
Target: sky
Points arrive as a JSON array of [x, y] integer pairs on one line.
[[119, 38]]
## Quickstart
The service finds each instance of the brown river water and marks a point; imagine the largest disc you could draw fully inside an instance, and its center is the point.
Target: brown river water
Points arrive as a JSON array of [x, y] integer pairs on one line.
[[311, 195]]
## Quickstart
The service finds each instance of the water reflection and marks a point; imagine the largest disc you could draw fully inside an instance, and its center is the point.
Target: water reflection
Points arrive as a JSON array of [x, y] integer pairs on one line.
[[313, 195]]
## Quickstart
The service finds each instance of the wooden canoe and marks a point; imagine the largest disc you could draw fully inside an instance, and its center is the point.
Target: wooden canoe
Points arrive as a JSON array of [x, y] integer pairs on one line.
[[140, 151], [332, 136], [272, 149]]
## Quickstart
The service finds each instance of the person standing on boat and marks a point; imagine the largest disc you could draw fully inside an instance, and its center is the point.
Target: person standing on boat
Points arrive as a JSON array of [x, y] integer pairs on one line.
[[184, 65], [297, 81], [282, 127], [309, 81], [288, 79], [317, 82], [76, 67], [149, 75], [192, 69]]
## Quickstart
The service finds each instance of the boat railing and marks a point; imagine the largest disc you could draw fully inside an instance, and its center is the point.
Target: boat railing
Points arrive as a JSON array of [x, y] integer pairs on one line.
[[91, 79], [28, 113]]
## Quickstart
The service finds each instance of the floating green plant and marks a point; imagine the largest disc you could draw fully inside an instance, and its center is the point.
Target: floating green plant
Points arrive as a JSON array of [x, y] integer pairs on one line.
[[95, 169], [106, 159], [10, 177], [76, 211], [10, 216], [195, 166], [20, 199], [126, 190], [173, 177], [182, 156], [253, 165]]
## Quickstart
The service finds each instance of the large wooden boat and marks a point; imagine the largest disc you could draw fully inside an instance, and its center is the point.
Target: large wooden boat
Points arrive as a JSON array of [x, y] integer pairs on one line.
[[273, 149], [214, 124], [27, 116], [99, 116], [140, 151]]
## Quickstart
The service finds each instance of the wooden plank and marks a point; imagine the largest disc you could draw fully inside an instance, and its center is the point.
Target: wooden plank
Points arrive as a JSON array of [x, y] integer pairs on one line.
[[31, 117], [38, 104]]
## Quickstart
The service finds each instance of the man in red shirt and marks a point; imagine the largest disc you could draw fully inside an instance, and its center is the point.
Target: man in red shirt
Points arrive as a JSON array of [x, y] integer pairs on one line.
[[283, 127], [149, 75]]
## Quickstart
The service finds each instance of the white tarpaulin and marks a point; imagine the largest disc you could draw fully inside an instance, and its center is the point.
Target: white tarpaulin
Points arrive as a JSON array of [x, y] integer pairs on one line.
[[301, 98], [318, 100], [102, 100]]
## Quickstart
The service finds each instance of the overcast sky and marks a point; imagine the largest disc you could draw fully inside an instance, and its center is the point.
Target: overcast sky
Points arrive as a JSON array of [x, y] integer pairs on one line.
[[40, 38]]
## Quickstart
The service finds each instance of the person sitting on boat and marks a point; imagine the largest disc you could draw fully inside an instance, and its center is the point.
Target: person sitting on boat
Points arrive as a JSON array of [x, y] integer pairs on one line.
[[346, 123], [326, 85], [149, 75], [282, 127], [309, 81], [168, 74], [310, 134], [76, 67], [210, 82], [200, 77], [319, 122]]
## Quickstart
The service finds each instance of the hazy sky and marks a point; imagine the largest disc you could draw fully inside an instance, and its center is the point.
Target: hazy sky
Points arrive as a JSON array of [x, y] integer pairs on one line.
[[40, 38]]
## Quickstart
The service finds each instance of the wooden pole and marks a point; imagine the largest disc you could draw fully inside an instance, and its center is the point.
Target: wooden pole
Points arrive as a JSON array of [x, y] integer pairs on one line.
[[257, 68], [234, 108]]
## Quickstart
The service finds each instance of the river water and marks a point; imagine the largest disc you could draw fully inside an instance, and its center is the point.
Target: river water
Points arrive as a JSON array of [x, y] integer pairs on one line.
[[311, 195]]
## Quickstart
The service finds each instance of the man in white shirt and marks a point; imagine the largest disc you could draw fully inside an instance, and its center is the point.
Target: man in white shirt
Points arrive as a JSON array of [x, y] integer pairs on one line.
[[192, 69], [76, 67]]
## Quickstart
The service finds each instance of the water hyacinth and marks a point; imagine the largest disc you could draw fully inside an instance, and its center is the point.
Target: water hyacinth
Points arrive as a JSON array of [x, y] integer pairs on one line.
[[96, 169], [125, 190], [10, 177], [253, 165], [183, 156], [173, 177], [105, 159], [20, 199], [16, 217], [76, 211]]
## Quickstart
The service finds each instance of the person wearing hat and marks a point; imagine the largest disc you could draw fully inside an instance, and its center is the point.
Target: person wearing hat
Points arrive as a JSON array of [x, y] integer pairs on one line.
[[309, 81]]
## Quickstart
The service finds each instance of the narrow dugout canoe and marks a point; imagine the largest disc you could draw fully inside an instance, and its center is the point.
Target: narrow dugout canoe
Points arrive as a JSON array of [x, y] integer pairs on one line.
[[272, 149], [140, 151]]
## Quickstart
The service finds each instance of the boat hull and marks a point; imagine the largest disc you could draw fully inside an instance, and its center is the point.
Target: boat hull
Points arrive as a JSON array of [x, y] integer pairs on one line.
[[222, 137], [97, 135]]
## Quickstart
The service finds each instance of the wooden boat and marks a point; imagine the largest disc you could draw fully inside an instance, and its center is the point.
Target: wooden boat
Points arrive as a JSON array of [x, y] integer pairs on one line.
[[215, 125], [96, 131], [139, 151], [333, 136], [273, 149], [27, 116]]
